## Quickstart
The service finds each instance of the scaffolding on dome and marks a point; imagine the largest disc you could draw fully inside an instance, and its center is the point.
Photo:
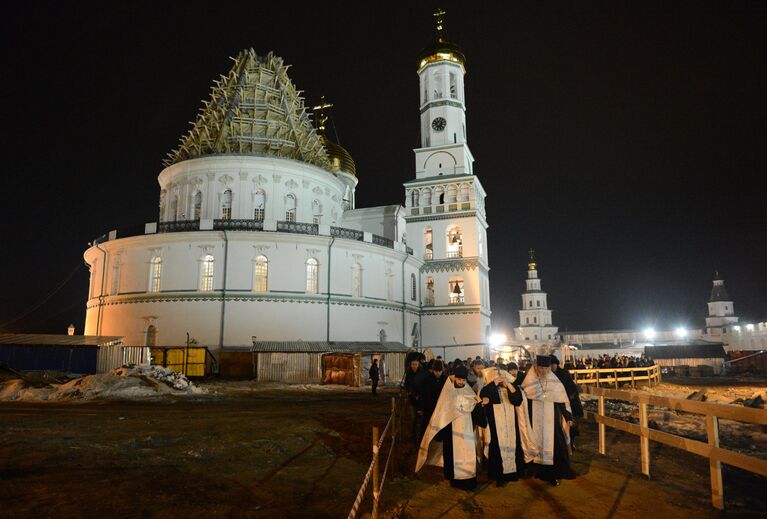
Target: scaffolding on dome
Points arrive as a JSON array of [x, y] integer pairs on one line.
[[253, 110]]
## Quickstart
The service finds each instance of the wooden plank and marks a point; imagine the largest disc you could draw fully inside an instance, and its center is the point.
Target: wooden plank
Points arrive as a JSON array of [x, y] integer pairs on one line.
[[644, 440], [726, 411], [715, 466]]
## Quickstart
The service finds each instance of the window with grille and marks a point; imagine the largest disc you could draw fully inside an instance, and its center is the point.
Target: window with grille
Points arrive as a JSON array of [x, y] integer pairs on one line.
[[196, 205], [261, 274], [312, 276], [290, 208], [155, 272], [356, 280], [454, 243], [207, 269], [259, 205], [428, 252], [226, 205]]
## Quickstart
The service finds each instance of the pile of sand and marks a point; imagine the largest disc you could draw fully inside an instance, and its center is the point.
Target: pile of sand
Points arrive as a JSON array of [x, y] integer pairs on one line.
[[124, 382]]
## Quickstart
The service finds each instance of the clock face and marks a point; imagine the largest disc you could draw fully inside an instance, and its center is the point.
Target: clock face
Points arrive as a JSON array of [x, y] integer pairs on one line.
[[439, 124]]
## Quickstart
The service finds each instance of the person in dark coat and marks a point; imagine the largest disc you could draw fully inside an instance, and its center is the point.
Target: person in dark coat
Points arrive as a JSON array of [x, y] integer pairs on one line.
[[374, 376], [430, 390], [412, 383]]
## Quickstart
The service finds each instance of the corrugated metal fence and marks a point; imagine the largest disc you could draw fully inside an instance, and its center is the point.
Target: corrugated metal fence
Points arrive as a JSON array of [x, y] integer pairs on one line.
[[295, 368]]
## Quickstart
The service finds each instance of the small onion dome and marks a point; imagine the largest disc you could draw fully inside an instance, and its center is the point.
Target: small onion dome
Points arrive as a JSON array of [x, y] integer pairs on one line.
[[340, 159]]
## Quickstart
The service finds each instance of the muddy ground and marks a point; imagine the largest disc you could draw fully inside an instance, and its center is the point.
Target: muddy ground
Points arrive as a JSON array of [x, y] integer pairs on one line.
[[302, 452]]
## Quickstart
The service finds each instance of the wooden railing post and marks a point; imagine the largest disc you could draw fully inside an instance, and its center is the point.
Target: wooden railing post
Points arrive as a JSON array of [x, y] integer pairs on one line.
[[633, 384], [715, 466], [597, 378], [615, 378], [395, 429], [601, 412], [375, 472], [644, 439]]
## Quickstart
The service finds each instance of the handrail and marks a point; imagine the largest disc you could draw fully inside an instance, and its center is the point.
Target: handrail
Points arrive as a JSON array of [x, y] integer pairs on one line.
[[596, 376], [373, 468], [709, 449]]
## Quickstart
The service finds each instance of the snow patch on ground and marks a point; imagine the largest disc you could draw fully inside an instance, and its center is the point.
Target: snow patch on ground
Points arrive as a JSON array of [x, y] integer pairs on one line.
[[121, 383]]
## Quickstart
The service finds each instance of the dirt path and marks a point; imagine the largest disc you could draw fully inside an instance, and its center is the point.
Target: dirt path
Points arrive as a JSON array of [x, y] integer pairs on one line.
[[298, 454]]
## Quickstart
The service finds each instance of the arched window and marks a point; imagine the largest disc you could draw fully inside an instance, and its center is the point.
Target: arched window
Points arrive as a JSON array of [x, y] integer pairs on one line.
[[290, 208], [356, 280], [453, 86], [115, 288], [452, 194], [527, 320], [312, 276], [155, 272], [316, 212], [381, 335], [150, 339], [439, 194], [428, 248], [413, 288], [535, 320], [261, 274], [196, 205], [464, 193], [429, 301], [426, 196], [456, 291], [207, 269], [414, 198], [226, 205], [454, 242], [173, 208], [259, 205]]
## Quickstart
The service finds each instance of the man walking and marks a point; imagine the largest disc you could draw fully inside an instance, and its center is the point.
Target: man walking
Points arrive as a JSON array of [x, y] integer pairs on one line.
[[374, 376]]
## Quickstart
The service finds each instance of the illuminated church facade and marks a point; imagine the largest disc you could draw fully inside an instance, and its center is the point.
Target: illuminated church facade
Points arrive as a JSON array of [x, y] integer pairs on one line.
[[259, 236]]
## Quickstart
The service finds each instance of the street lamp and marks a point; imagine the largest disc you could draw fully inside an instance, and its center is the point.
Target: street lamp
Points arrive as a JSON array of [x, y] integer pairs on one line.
[[649, 334]]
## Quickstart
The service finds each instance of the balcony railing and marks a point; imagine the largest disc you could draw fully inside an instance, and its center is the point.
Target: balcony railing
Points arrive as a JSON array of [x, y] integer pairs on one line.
[[346, 234], [384, 242], [237, 225], [179, 226], [298, 227]]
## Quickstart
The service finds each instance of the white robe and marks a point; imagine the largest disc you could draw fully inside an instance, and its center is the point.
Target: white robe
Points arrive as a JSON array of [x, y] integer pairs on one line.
[[453, 407], [544, 393]]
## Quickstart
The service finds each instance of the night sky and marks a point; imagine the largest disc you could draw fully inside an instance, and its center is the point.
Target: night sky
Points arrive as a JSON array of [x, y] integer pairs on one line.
[[626, 142]]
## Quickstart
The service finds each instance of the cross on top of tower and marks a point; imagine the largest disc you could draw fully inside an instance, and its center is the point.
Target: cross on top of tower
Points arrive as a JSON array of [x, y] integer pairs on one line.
[[531, 265], [320, 114], [439, 19]]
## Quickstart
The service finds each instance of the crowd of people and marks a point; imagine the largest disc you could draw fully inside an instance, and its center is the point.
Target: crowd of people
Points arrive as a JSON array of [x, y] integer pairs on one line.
[[605, 361], [516, 421]]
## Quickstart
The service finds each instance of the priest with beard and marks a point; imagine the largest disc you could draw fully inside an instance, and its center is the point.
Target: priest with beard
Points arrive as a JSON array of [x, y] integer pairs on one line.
[[550, 418], [508, 442], [450, 438]]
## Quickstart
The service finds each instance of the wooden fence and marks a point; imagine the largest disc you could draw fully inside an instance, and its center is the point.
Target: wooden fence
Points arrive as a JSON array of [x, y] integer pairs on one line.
[[616, 375], [710, 449]]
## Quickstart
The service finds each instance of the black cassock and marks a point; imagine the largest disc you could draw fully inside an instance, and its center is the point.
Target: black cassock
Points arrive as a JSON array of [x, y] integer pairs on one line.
[[561, 467], [495, 469], [446, 437]]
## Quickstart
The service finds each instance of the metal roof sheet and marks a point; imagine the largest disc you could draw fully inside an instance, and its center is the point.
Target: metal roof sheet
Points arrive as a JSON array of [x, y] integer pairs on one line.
[[41, 339], [686, 351]]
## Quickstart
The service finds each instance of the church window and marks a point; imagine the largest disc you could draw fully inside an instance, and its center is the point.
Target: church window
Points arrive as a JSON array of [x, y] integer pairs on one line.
[[155, 272], [426, 196], [290, 208], [312, 276], [454, 242], [456, 291], [196, 205], [452, 194], [453, 86], [163, 202], [530, 304], [92, 283], [356, 280], [549, 336], [429, 301], [439, 194], [413, 287], [428, 252], [538, 304], [261, 274], [535, 337], [414, 198], [174, 208], [535, 320], [316, 212], [207, 269], [150, 338], [527, 320], [226, 205], [259, 205], [115, 289], [464, 193]]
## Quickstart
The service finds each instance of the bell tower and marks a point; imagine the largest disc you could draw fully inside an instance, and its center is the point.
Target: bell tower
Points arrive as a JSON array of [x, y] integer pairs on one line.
[[445, 209]]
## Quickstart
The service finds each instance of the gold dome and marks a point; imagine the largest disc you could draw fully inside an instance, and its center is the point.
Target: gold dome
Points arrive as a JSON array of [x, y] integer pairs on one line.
[[340, 159], [441, 49]]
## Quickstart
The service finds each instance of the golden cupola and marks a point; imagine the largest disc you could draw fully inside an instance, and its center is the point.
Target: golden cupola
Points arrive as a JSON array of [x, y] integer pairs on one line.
[[441, 49]]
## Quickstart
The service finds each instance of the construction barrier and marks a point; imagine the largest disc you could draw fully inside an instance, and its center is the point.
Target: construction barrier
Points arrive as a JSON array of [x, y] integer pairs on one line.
[[617, 375]]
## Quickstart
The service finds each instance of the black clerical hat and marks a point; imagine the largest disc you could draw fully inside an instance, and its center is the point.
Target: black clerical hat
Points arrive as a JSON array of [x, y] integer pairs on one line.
[[543, 360], [460, 371]]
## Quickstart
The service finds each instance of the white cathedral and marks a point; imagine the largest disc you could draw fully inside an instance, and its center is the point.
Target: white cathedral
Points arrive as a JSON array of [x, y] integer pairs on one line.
[[259, 235]]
